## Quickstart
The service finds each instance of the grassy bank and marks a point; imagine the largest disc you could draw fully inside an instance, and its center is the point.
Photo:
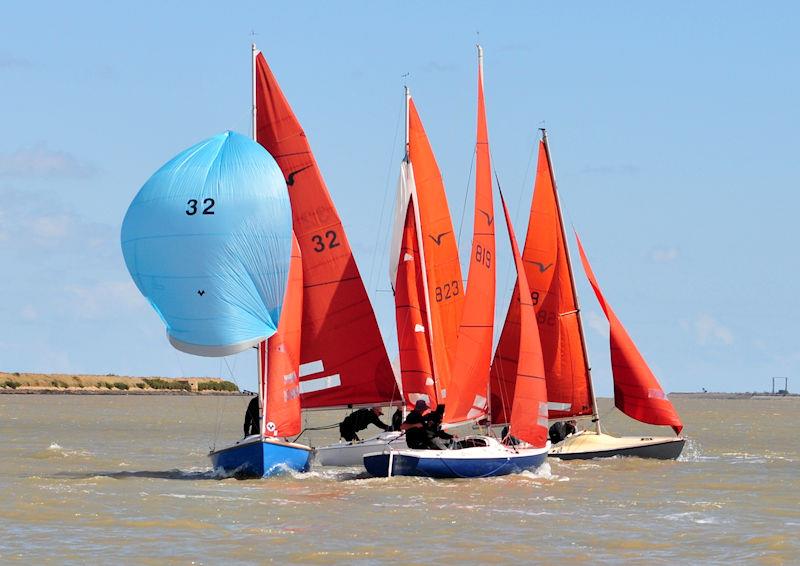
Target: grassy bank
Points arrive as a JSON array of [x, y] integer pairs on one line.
[[18, 382]]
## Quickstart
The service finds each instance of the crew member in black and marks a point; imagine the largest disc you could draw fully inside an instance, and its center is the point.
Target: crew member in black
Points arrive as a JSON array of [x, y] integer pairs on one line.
[[397, 420], [560, 430], [414, 426], [251, 418], [359, 420], [437, 438]]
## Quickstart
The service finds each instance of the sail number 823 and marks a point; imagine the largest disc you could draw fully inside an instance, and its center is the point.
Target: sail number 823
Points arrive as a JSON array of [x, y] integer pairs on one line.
[[446, 291]]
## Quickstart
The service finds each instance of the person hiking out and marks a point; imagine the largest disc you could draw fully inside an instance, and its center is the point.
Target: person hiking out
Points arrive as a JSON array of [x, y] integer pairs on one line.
[[359, 420], [562, 429]]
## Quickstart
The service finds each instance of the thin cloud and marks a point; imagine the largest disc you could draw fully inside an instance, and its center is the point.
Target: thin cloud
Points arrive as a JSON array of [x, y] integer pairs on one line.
[[436, 67], [664, 255], [597, 323], [102, 299], [40, 161], [710, 332], [8, 61], [40, 224]]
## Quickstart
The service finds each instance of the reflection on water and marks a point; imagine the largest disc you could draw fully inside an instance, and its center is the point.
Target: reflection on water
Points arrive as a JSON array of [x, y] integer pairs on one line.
[[127, 478]]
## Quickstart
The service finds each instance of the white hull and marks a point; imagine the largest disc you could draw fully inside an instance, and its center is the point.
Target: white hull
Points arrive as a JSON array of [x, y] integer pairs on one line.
[[347, 454]]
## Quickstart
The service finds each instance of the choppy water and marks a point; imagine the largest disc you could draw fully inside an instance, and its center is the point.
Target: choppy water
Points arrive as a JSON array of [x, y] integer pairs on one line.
[[124, 478]]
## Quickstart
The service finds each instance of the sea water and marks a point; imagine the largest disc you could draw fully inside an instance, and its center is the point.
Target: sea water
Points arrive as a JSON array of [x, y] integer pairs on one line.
[[127, 479]]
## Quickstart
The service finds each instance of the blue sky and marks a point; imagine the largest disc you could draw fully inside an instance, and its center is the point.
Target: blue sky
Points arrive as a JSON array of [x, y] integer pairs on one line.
[[673, 127]]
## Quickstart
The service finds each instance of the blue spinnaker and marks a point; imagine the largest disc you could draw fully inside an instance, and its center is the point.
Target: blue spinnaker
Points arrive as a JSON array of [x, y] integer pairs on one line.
[[208, 240]]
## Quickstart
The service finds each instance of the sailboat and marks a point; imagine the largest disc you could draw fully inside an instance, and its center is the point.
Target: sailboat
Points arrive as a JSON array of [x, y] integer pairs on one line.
[[569, 384], [268, 453], [444, 339], [342, 357], [208, 241]]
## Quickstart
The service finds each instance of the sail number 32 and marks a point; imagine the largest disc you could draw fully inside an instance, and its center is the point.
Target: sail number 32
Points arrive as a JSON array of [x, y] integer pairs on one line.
[[329, 241], [208, 205]]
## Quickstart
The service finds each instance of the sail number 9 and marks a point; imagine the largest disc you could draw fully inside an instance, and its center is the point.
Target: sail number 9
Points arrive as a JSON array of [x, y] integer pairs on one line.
[[329, 241], [446, 291], [483, 256], [208, 204]]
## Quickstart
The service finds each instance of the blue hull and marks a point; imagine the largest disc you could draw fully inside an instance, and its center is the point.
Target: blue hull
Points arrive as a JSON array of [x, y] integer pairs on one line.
[[404, 464], [261, 458]]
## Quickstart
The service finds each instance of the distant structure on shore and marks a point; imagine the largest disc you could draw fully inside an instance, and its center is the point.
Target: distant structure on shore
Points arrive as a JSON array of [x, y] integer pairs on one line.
[[785, 390]]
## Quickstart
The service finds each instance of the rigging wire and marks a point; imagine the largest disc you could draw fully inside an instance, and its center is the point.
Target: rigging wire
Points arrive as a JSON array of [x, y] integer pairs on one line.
[[372, 277], [466, 195]]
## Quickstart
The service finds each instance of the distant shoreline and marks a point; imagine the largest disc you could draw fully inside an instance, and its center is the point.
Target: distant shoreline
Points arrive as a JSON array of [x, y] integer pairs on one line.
[[721, 395], [18, 383]]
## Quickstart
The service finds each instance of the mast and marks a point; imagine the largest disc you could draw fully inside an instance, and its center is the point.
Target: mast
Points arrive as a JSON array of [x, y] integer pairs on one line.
[[420, 244], [488, 383], [595, 415], [254, 54], [407, 101], [262, 385]]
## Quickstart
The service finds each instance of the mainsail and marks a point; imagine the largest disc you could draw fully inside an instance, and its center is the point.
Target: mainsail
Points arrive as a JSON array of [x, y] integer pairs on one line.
[[279, 360], [528, 418], [547, 266], [468, 391], [342, 354], [637, 392], [422, 204]]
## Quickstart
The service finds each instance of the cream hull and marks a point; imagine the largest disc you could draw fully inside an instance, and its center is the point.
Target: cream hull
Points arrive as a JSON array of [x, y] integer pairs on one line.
[[588, 444]]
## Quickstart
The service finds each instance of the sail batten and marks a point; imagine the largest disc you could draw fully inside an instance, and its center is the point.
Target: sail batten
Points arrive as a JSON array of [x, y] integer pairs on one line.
[[339, 326]]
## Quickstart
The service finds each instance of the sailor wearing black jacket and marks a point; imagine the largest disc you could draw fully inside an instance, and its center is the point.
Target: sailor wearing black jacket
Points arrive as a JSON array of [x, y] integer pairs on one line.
[[359, 420]]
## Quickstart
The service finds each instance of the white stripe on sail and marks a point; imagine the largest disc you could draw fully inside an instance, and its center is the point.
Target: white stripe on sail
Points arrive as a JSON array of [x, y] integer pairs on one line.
[[320, 383], [311, 367]]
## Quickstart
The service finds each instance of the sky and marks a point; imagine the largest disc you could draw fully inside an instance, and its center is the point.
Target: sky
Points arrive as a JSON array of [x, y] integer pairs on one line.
[[673, 129]]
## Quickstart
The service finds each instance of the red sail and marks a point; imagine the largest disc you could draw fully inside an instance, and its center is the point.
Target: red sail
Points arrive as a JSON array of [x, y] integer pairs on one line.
[[637, 392], [440, 252], [547, 265], [343, 357], [468, 390], [412, 318], [528, 419], [280, 355]]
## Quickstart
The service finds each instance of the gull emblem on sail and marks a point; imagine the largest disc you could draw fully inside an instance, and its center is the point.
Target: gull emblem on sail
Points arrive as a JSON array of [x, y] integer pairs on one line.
[[290, 178], [489, 217], [542, 267], [201, 292], [438, 239]]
